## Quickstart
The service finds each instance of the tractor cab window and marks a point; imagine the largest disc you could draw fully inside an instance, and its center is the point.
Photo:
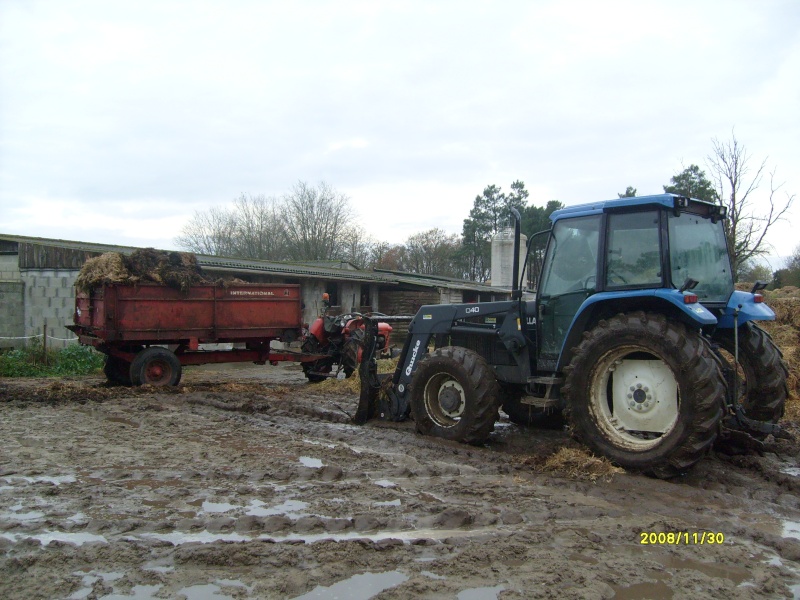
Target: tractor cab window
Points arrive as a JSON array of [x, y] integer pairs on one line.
[[633, 253], [571, 261], [697, 249]]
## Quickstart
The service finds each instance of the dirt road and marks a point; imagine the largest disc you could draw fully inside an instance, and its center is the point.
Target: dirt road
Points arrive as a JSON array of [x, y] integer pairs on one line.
[[251, 483]]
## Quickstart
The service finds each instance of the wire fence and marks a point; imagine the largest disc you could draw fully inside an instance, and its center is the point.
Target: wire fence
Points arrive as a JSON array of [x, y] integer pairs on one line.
[[38, 335]]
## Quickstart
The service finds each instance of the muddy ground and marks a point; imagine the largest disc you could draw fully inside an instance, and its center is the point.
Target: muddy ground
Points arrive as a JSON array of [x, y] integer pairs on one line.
[[251, 483]]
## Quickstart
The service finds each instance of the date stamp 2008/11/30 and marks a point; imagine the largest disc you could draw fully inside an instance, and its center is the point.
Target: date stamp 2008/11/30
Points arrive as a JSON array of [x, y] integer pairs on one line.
[[681, 538]]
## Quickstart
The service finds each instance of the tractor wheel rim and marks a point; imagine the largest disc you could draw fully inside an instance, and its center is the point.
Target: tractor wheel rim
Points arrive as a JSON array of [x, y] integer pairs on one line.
[[444, 400], [635, 400]]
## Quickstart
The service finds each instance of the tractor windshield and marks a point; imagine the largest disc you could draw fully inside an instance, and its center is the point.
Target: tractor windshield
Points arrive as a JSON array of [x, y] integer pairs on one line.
[[697, 249]]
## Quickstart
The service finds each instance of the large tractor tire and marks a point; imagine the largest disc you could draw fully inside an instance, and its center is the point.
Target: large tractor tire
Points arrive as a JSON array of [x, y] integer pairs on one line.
[[455, 396], [645, 392], [323, 365], [155, 366], [762, 373]]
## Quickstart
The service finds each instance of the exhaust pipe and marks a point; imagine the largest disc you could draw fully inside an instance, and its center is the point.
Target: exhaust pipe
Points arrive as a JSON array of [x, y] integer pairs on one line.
[[516, 292]]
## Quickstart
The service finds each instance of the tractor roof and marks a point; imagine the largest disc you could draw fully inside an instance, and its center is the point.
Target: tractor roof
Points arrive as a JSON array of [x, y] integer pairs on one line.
[[665, 200]]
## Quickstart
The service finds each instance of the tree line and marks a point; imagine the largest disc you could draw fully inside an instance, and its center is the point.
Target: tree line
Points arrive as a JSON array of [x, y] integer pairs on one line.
[[317, 223]]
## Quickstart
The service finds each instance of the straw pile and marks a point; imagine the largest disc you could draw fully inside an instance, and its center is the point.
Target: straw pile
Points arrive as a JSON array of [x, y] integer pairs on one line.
[[178, 270], [785, 332], [572, 462]]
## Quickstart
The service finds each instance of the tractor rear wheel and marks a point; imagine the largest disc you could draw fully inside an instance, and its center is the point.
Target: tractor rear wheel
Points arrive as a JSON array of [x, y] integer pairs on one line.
[[645, 392], [455, 396], [350, 352], [762, 372], [323, 365], [155, 366]]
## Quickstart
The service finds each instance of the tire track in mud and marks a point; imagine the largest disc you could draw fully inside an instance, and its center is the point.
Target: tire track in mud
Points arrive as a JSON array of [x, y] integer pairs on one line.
[[274, 502]]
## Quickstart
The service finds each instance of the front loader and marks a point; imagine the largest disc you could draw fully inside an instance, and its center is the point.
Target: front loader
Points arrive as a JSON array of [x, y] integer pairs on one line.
[[635, 336]]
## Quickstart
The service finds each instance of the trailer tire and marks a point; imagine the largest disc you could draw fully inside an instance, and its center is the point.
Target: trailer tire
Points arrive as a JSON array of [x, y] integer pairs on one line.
[[455, 396], [764, 371], [117, 371], [155, 366], [616, 426]]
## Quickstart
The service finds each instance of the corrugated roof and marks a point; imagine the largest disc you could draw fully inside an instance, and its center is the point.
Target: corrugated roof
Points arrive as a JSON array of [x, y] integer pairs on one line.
[[442, 282], [220, 262]]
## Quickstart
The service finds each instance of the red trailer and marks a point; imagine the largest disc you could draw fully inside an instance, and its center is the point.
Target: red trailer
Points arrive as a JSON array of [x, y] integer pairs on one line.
[[132, 324]]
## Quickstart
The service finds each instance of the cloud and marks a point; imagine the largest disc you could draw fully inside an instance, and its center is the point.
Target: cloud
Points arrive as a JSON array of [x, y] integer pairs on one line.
[[173, 106]]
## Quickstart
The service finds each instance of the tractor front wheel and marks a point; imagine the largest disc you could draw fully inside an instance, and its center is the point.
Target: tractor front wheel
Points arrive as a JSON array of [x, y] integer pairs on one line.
[[645, 392], [455, 396]]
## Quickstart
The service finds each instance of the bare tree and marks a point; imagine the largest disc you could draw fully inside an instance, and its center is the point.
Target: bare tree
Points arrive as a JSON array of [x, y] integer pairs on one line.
[[357, 246], [309, 223], [750, 215], [210, 232], [433, 252], [314, 220], [259, 232], [386, 255]]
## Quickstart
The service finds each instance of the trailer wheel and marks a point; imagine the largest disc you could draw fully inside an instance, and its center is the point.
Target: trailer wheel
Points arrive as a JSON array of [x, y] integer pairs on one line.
[[455, 396], [645, 392], [155, 366], [762, 372], [117, 371]]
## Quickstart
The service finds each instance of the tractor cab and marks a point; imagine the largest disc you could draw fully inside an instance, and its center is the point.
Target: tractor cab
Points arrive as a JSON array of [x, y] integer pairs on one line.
[[621, 252]]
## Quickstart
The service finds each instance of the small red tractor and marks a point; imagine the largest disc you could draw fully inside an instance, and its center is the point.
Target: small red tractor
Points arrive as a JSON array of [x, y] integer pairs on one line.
[[340, 338]]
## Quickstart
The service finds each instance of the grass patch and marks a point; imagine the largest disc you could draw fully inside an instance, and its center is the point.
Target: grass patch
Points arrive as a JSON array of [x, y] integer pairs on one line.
[[32, 361]]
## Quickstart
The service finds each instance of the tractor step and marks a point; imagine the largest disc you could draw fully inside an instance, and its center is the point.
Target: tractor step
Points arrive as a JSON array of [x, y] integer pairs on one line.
[[545, 380], [539, 402]]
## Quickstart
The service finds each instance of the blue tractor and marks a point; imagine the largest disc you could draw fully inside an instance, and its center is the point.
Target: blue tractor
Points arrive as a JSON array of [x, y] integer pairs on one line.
[[635, 336]]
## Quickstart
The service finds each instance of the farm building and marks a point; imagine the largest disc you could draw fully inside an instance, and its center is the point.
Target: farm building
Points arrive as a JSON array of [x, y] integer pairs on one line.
[[37, 293]]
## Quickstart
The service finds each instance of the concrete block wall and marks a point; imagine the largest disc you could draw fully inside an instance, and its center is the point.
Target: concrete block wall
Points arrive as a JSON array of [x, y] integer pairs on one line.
[[311, 291], [9, 267], [349, 296], [12, 314], [50, 296]]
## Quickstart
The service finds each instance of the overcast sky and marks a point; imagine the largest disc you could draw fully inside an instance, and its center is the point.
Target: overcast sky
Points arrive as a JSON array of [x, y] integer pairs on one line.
[[118, 120]]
